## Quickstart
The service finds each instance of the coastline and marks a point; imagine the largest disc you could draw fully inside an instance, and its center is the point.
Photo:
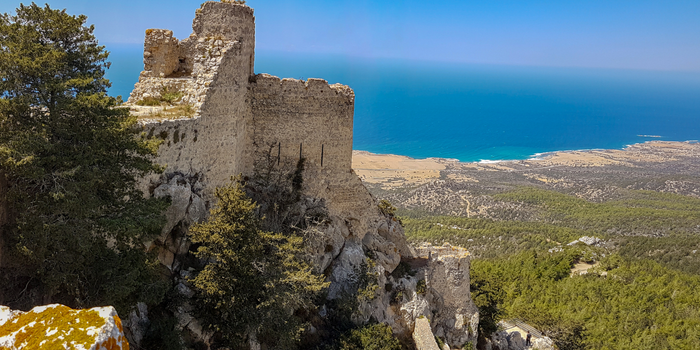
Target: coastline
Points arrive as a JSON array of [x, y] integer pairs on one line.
[[536, 156], [393, 171]]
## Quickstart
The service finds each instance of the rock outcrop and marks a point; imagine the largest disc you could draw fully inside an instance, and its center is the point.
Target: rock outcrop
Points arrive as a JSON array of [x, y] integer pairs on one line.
[[59, 327], [511, 336]]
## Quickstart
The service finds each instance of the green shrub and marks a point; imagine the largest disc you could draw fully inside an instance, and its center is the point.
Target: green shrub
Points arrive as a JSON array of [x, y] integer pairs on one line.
[[170, 97], [439, 342], [371, 337], [421, 287], [149, 101], [386, 208]]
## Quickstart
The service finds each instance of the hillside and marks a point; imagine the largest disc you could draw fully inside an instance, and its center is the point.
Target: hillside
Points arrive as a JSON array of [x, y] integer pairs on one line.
[[522, 220]]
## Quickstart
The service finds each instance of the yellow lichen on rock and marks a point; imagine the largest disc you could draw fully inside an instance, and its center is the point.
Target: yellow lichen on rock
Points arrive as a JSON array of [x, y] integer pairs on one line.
[[60, 327]]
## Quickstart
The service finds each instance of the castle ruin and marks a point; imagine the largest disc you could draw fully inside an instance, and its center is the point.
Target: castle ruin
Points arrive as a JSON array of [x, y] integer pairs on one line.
[[229, 116], [221, 119]]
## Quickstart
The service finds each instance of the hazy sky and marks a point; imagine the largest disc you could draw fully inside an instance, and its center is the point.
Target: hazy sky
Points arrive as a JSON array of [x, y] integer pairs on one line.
[[636, 34]]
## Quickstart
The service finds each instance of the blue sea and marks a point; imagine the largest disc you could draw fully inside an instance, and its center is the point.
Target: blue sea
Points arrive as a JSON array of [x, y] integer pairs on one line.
[[475, 112]]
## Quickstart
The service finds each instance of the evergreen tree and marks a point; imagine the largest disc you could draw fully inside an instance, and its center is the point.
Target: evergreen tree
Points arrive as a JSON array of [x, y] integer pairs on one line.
[[253, 281], [71, 158], [371, 337]]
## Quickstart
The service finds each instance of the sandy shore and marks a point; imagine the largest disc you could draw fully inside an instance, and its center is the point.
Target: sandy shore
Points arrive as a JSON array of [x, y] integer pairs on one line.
[[395, 171]]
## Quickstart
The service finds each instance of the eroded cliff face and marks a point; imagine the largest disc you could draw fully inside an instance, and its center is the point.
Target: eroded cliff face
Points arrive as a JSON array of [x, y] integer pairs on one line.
[[238, 121]]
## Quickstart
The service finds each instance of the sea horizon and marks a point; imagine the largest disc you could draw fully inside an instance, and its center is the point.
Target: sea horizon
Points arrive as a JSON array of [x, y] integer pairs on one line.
[[480, 112]]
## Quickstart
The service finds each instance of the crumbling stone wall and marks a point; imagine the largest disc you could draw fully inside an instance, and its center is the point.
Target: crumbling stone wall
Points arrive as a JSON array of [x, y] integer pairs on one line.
[[161, 53], [211, 143]]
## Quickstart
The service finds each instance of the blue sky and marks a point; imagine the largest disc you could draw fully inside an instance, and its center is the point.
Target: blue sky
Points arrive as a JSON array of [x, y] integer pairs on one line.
[[630, 34]]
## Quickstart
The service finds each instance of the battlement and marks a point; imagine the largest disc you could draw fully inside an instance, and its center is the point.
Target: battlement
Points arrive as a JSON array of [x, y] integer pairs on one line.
[[270, 84]]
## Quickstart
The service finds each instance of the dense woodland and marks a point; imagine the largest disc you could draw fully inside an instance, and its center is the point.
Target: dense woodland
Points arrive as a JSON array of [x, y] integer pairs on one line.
[[642, 294]]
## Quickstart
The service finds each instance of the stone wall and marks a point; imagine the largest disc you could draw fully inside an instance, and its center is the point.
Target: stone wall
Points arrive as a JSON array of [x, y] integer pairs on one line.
[[239, 116], [308, 119], [161, 53], [210, 144]]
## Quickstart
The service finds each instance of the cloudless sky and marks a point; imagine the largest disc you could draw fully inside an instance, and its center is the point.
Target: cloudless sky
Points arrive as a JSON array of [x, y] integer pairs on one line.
[[629, 34]]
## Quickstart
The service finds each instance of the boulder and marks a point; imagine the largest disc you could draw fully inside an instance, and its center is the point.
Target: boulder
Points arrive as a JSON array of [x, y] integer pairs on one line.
[[137, 323], [57, 326], [544, 343], [385, 252], [515, 341]]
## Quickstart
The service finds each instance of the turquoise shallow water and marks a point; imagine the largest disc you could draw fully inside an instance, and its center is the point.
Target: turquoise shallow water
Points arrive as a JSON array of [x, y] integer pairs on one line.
[[482, 112]]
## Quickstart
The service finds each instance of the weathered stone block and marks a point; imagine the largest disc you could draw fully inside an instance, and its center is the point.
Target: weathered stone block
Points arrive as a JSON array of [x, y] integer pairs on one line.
[[56, 326]]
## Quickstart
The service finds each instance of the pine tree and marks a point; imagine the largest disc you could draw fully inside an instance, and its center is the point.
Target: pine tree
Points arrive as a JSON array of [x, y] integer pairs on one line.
[[71, 158], [253, 280]]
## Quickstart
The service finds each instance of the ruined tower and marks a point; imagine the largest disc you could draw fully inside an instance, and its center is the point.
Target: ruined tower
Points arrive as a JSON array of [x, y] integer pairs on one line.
[[222, 117]]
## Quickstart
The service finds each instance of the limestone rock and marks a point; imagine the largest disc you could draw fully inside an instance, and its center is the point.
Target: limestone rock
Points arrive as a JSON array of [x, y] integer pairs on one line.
[[512, 333], [385, 252], [137, 323], [544, 343], [423, 336], [180, 192], [499, 340], [515, 341], [587, 241], [197, 210], [393, 232], [57, 326], [447, 284], [345, 269]]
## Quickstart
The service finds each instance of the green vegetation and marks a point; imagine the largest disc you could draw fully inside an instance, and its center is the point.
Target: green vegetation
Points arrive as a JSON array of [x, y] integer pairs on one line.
[[167, 97], [386, 208], [149, 101], [640, 295], [254, 280], [638, 213], [370, 337], [643, 224], [639, 304], [170, 96], [71, 158], [421, 287], [440, 342]]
